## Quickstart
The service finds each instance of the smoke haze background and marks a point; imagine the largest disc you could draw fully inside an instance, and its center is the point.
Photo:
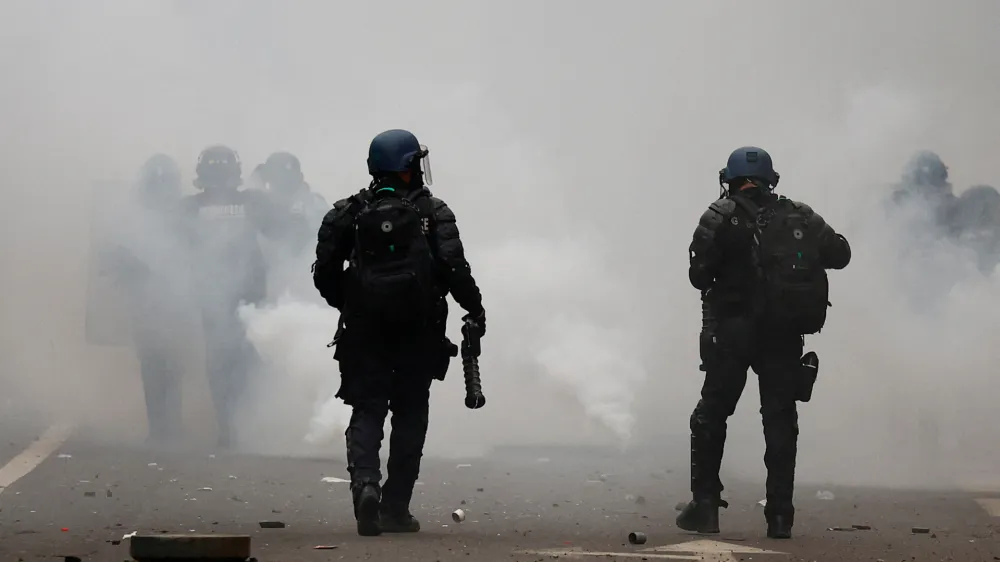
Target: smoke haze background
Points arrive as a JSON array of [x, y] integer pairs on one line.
[[578, 143]]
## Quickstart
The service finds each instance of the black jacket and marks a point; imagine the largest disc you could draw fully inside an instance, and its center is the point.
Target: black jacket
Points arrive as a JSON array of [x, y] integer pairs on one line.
[[222, 229], [721, 252], [335, 244]]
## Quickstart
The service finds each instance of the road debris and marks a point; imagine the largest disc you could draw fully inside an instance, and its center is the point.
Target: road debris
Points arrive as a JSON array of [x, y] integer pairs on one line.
[[64, 456], [205, 489], [335, 480], [824, 495], [636, 537], [844, 529], [762, 503], [463, 466], [190, 547], [458, 515], [920, 530], [862, 527], [271, 525], [324, 547], [90, 494]]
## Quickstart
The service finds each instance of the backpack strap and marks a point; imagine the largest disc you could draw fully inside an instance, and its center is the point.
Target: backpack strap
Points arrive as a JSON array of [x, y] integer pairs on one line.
[[747, 205], [755, 256]]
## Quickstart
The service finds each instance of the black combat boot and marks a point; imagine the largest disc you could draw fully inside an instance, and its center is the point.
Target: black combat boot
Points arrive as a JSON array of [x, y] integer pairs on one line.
[[701, 516], [366, 508], [395, 517], [779, 525]]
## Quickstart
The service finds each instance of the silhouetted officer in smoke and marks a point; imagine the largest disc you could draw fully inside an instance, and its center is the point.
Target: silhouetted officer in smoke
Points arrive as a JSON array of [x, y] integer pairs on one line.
[[924, 188], [294, 215], [760, 261], [976, 225], [297, 210], [146, 260], [228, 269], [405, 256]]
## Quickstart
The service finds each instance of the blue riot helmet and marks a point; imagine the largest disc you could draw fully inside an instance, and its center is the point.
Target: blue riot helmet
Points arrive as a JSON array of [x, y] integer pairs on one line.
[[282, 171], [218, 167], [925, 168], [159, 180], [750, 162], [397, 150]]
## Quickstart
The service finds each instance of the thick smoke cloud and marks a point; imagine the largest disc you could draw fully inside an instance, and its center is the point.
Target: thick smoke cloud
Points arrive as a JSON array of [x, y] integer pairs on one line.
[[578, 142]]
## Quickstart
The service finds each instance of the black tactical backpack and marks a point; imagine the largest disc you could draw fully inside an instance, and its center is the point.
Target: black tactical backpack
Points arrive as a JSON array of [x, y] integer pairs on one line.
[[794, 288], [393, 263]]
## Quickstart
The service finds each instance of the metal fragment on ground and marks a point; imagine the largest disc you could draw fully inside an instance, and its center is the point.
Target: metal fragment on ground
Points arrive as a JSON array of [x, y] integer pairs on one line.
[[637, 537], [862, 527], [920, 530], [458, 515], [324, 547], [271, 525]]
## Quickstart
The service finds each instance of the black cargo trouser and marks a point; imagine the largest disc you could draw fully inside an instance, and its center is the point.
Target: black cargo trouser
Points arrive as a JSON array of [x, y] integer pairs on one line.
[[229, 358], [156, 342], [742, 343], [161, 383], [376, 380]]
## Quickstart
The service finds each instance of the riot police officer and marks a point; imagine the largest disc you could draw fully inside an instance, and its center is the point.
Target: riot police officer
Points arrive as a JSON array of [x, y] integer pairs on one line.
[[760, 261], [976, 225], [145, 260], [405, 256], [228, 269], [924, 188], [294, 215]]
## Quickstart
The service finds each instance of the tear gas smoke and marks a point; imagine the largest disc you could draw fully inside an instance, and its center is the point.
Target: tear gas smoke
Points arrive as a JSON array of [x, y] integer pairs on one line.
[[578, 144]]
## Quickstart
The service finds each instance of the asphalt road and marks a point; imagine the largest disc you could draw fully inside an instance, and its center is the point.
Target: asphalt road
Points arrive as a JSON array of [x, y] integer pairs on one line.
[[79, 498]]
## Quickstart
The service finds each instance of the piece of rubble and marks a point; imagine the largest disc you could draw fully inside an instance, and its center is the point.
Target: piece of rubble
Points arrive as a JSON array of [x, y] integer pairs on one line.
[[190, 547], [90, 494], [335, 480], [271, 525], [844, 529], [324, 547], [862, 527], [824, 495], [637, 537], [920, 530], [205, 489], [458, 515]]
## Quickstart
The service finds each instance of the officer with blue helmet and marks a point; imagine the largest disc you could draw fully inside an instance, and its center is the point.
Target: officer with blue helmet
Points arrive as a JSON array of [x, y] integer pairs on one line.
[[404, 256], [760, 262]]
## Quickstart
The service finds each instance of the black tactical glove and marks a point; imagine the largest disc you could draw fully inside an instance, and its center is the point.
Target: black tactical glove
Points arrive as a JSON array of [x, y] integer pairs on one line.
[[479, 319]]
